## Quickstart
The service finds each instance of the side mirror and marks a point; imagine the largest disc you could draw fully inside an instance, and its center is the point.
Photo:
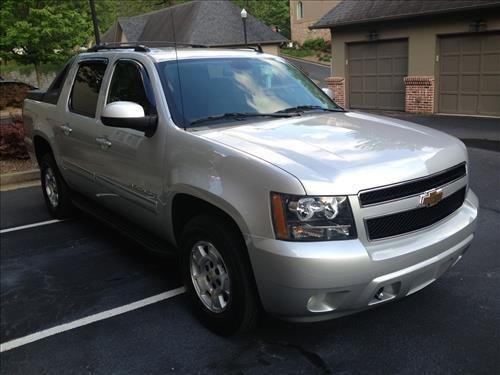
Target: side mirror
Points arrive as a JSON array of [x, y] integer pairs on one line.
[[329, 92], [129, 115]]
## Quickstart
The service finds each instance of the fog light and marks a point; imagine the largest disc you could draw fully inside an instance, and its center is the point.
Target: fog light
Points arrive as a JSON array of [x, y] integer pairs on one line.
[[325, 302]]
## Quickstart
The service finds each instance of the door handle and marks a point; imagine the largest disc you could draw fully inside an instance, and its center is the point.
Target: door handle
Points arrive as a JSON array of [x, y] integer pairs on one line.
[[66, 129], [103, 142]]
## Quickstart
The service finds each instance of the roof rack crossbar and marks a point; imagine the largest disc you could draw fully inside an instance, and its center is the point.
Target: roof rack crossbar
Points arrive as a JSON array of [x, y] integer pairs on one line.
[[140, 46]]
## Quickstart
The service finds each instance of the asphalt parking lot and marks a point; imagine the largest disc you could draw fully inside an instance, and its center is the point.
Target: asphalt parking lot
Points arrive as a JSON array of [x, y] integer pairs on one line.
[[68, 271]]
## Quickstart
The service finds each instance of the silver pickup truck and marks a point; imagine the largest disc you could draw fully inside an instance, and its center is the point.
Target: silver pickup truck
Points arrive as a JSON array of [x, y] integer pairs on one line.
[[277, 199]]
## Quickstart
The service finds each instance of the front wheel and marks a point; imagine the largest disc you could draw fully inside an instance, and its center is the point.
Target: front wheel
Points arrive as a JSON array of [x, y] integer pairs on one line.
[[55, 191], [218, 276]]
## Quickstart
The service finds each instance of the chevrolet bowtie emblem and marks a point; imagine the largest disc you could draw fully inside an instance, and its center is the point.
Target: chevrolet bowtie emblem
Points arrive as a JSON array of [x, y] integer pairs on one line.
[[430, 198]]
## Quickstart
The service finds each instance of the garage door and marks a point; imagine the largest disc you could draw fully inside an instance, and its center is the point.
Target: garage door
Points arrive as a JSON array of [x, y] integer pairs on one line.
[[469, 74], [376, 72]]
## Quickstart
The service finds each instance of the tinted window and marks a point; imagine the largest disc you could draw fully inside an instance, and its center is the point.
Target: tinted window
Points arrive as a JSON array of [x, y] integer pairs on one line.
[[127, 84], [53, 92], [86, 87], [210, 87]]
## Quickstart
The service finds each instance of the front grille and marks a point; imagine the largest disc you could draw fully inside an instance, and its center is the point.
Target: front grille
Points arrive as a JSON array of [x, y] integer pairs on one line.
[[412, 187], [409, 221]]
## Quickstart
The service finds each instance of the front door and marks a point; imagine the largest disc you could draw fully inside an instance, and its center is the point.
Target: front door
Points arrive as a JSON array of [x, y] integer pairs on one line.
[[77, 133], [130, 174]]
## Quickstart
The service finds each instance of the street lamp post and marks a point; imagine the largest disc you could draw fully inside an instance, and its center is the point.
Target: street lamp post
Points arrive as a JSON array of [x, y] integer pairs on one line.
[[244, 19]]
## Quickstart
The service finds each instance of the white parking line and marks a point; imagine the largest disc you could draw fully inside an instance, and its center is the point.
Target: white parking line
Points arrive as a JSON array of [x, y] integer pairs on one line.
[[89, 320], [31, 225]]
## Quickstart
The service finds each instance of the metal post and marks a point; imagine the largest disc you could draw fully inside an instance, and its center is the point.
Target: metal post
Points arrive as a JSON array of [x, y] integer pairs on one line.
[[244, 15], [94, 21], [245, 30]]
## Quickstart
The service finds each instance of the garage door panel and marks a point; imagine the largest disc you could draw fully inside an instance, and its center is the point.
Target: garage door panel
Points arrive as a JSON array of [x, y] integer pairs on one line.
[[398, 85], [470, 83], [490, 84], [382, 66], [470, 44], [489, 104], [370, 100], [471, 63], [449, 83], [450, 64], [370, 66], [449, 103], [491, 63], [468, 103], [356, 83], [491, 43], [384, 83], [356, 100], [370, 84], [398, 100], [469, 74]]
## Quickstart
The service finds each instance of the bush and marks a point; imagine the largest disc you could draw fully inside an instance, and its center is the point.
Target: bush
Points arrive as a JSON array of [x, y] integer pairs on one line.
[[317, 44], [12, 144]]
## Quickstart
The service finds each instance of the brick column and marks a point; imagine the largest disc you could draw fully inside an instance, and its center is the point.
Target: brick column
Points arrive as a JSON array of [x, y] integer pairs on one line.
[[419, 97], [337, 85]]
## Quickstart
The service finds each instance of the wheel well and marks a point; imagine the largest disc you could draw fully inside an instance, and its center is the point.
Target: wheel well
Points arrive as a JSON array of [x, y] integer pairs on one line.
[[42, 147], [185, 207]]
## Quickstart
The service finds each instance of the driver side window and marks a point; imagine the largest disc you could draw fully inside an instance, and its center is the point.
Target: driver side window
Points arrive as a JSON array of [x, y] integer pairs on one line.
[[127, 84]]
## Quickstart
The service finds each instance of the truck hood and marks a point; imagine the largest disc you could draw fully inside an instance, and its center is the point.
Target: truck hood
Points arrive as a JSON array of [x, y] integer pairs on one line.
[[345, 152]]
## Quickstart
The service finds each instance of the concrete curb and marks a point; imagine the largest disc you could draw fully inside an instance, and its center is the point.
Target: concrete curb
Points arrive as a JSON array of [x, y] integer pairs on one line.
[[18, 177]]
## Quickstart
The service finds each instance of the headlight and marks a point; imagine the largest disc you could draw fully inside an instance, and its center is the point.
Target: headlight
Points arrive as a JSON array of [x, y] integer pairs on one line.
[[306, 218]]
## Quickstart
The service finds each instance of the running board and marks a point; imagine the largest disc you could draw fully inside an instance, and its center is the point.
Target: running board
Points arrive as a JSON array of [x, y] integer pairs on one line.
[[143, 237]]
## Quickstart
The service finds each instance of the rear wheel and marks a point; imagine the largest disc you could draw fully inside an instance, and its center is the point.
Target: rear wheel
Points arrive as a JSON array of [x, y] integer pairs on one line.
[[54, 188], [218, 276]]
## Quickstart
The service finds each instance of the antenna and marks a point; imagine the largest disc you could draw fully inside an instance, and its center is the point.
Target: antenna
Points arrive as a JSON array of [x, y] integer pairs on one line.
[[178, 70]]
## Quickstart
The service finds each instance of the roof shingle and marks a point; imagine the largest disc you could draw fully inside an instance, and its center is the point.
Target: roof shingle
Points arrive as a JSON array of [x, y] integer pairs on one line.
[[210, 23], [350, 12]]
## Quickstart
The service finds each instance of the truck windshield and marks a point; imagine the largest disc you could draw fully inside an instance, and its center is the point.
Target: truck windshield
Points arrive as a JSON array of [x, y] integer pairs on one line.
[[202, 92]]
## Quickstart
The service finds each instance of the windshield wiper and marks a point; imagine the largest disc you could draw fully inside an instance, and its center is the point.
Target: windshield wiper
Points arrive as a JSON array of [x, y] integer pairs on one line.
[[303, 108], [237, 116]]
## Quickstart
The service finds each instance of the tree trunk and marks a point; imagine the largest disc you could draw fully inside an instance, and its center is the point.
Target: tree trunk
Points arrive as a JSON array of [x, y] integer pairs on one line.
[[38, 75]]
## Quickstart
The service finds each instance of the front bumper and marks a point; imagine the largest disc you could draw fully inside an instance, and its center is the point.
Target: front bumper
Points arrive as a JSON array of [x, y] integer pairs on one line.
[[316, 281]]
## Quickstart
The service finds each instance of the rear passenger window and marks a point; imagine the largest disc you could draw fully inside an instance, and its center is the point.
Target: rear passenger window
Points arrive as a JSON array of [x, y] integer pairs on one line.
[[127, 84], [85, 92]]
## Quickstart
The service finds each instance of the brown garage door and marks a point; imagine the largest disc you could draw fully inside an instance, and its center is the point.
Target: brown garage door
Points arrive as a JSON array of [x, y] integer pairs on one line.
[[469, 74], [376, 72]]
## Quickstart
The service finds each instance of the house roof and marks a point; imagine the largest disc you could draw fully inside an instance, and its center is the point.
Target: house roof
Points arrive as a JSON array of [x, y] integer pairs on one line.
[[350, 12], [210, 23]]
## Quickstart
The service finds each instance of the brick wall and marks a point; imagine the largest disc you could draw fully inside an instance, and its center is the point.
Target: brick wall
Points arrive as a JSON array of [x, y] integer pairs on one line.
[[337, 85], [419, 97]]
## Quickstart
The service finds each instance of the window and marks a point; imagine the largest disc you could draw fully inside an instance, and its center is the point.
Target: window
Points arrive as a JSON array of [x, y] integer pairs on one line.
[[127, 85], [300, 10], [85, 91], [54, 91], [199, 88]]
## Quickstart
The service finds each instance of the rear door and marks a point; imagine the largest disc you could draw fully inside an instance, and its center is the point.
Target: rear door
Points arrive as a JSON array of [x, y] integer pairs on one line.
[[130, 174], [78, 149]]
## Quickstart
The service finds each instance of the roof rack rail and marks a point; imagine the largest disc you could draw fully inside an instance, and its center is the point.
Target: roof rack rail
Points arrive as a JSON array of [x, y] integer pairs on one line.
[[256, 48], [141, 46]]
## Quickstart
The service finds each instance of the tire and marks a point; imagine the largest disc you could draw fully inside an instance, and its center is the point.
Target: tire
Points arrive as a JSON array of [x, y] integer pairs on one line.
[[233, 312], [55, 190]]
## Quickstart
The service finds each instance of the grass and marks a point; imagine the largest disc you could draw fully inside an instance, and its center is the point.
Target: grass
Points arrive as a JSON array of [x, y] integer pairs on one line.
[[298, 52]]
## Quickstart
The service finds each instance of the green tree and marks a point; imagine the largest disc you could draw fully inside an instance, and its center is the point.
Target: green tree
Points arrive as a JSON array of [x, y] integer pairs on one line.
[[271, 12], [42, 31]]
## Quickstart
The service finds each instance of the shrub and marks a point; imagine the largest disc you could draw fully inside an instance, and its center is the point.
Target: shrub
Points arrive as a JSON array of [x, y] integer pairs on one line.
[[317, 44], [12, 144]]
